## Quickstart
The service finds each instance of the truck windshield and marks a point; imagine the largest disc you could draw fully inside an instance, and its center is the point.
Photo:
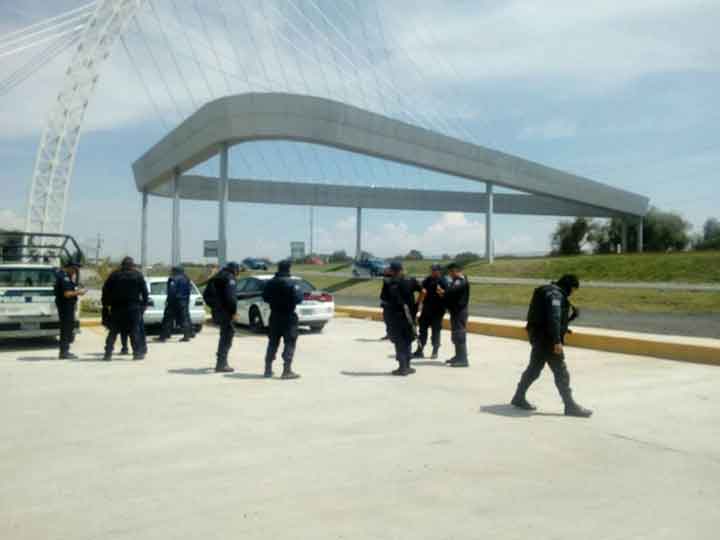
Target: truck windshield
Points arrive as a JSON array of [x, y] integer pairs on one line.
[[26, 277]]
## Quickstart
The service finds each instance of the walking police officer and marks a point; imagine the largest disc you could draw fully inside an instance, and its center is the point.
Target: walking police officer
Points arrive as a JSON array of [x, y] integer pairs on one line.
[[124, 297], [399, 292], [283, 296], [177, 304], [221, 295], [457, 298], [66, 295], [432, 311], [547, 323]]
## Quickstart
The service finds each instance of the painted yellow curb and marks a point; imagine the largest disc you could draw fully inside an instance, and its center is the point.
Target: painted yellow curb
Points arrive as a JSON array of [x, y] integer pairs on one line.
[[90, 322], [700, 351]]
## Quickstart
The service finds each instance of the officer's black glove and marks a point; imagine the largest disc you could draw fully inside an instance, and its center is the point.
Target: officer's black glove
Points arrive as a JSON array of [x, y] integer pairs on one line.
[[574, 313]]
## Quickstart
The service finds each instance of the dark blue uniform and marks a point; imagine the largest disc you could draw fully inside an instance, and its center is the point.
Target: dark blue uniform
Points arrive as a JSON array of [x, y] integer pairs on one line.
[[547, 324], [177, 307], [224, 310], [457, 298], [283, 295], [66, 308], [124, 298], [432, 314], [400, 294]]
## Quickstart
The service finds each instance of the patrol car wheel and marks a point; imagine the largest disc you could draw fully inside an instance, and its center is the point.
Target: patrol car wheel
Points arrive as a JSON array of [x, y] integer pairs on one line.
[[317, 328], [256, 322]]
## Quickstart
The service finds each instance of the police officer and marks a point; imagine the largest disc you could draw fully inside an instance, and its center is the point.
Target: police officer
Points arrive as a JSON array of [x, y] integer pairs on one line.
[[547, 324], [66, 295], [432, 311], [457, 298], [177, 305], [283, 296], [221, 295], [124, 297], [387, 276], [401, 316]]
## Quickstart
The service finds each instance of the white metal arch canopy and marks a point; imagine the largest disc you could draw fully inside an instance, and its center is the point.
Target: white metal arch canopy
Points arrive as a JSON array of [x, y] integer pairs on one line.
[[266, 116]]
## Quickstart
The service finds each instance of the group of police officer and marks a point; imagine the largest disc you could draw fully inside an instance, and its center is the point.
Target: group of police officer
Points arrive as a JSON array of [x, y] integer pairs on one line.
[[549, 316], [125, 297], [281, 293]]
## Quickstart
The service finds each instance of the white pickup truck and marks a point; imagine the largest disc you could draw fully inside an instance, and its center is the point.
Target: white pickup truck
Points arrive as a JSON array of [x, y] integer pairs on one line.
[[27, 301], [27, 282]]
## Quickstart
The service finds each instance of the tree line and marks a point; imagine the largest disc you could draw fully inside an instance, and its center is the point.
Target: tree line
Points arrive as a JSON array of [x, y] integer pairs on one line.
[[662, 232]]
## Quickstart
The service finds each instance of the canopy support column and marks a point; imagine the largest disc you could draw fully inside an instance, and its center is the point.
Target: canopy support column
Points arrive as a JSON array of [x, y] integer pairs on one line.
[[489, 239], [223, 195]]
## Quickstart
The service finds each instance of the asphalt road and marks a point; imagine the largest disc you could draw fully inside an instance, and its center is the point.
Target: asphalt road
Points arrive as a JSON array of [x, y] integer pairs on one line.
[[652, 323], [166, 449]]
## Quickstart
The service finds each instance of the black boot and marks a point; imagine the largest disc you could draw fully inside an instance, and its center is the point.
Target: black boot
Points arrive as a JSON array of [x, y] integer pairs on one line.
[[124, 351], [460, 359], [222, 366], [573, 409], [520, 402], [435, 353], [418, 352], [288, 373], [403, 369], [108, 356], [268, 370], [67, 355], [450, 361]]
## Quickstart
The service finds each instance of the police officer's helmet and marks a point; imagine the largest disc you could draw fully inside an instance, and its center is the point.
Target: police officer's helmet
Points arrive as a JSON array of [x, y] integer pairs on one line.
[[396, 266], [176, 270]]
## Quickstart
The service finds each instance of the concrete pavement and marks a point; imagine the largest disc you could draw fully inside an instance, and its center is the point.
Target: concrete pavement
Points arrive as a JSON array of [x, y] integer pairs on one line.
[[166, 449]]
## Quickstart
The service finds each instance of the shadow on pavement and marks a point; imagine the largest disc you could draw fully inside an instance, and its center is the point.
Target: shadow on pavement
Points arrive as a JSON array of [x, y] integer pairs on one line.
[[507, 410], [366, 373], [437, 363], [39, 358], [245, 376], [192, 371], [14, 345], [370, 340]]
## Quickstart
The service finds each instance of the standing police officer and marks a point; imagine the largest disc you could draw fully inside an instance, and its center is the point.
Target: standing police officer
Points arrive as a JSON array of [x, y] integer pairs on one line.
[[177, 305], [283, 296], [66, 295], [432, 311], [387, 276], [221, 295], [124, 297], [399, 292], [547, 323], [457, 298]]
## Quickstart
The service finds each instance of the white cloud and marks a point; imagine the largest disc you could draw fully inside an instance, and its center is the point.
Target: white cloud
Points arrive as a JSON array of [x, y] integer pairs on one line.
[[9, 220]]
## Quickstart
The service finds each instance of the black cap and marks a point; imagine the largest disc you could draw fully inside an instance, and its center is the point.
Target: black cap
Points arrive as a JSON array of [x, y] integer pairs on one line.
[[284, 267], [454, 266], [396, 266], [568, 282], [436, 268], [127, 263], [177, 270], [232, 266]]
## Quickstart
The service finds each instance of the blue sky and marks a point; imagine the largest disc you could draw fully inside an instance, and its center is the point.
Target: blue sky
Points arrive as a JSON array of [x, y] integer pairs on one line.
[[624, 94]]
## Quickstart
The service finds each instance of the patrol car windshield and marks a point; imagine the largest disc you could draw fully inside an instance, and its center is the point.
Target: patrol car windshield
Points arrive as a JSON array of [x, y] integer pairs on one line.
[[159, 288], [26, 277]]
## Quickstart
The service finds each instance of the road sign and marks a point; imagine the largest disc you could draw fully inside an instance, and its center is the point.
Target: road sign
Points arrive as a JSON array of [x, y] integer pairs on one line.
[[297, 250], [210, 248]]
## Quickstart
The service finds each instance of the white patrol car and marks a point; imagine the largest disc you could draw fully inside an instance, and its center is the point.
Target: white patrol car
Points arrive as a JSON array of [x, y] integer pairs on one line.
[[157, 287], [316, 310], [27, 301]]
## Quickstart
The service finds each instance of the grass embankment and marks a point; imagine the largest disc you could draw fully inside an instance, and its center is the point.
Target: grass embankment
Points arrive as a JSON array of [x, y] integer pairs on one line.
[[608, 300], [691, 267]]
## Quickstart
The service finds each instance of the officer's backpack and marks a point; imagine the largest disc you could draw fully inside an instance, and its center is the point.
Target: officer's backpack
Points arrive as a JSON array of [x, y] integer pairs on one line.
[[536, 311], [210, 294]]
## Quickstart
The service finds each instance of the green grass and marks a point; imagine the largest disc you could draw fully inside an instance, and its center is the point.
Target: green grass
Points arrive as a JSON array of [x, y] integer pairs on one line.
[[691, 267], [608, 300]]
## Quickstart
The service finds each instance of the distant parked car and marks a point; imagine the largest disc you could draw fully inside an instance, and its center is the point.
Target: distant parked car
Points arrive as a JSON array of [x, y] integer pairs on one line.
[[315, 311], [252, 263], [369, 267], [158, 297]]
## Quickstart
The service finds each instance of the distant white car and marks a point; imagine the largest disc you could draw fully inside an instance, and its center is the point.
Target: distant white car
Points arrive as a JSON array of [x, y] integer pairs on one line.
[[316, 310], [27, 301], [158, 297]]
